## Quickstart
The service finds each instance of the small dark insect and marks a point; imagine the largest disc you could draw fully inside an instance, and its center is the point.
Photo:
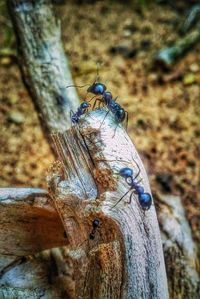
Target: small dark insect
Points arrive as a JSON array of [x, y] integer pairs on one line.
[[95, 226], [144, 198], [80, 111], [99, 89], [119, 113]]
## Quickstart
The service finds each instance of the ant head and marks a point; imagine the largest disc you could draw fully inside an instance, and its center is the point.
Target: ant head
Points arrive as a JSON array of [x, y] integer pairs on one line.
[[95, 223], [126, 172], [120, 115], [97, 88], [85, 105]]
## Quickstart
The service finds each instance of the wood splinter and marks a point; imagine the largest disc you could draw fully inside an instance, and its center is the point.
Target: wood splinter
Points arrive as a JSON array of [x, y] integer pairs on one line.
[[125, 258]]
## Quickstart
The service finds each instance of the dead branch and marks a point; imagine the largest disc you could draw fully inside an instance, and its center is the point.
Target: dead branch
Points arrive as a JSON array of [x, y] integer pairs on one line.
[[43, 62], [125, 260], [180, 250]]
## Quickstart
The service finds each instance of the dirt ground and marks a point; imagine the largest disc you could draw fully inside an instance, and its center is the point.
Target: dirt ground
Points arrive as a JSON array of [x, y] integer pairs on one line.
[[163, 111]]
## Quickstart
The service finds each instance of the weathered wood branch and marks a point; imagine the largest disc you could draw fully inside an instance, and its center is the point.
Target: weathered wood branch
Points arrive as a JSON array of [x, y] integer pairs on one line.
[[28, 222], [42, 59], [28, 225], [77, 205], [46, 275], [125, 260], [180, 250]]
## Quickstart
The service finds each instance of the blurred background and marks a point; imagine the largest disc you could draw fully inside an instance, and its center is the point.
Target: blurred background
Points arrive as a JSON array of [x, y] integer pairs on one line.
[[163, 101]]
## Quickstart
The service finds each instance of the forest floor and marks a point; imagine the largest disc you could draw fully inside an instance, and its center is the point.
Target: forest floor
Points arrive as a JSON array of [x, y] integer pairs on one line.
[[163, 106]]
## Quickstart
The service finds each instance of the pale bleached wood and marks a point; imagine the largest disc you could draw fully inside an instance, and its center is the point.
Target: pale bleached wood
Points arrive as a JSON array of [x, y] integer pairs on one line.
[[28, 222], [43, 62], [46, 275], [180, 250], [28, 225], [125, 260]]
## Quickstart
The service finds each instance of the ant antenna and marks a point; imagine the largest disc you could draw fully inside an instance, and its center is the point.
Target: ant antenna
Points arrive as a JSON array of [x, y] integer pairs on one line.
[[79, 86], [97, 76], [98, 68]]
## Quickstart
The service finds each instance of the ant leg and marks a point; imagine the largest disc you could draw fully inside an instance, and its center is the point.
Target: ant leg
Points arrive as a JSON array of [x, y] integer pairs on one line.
[[71, 114], [139, 181], [130, 198], [115, 131], [95, 102], [104, 118], [104, 160], [137, 167], [97, 74], [85, 97], [99, 103], [102, 103], [91, 98], [121, 198], [85, 111], [79, 86], [94, 105]]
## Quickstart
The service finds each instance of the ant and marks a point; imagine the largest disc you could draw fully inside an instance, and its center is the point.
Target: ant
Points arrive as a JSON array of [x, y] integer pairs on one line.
[[144, 198], [97, 89], [95, 225], [80, 111], [119, 113]]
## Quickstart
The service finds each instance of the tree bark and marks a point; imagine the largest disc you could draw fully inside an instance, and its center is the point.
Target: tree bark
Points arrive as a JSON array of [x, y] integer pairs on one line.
[[43, 62]]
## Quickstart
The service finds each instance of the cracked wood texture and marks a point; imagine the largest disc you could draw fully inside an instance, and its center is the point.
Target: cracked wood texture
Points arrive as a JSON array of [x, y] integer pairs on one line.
[[125, 260], [32, 224], [29, 224], [43, 62], [180, 250]]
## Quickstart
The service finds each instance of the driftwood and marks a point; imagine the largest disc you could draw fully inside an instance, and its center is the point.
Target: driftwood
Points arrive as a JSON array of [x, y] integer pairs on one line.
[[125, 260], [30, 224], [180, 250], [127, 244], [43, 62]]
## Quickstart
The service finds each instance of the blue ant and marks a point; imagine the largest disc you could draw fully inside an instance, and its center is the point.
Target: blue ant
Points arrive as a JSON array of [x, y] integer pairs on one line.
[[95, 225], [144, 198], [100, 89], [80, 111]]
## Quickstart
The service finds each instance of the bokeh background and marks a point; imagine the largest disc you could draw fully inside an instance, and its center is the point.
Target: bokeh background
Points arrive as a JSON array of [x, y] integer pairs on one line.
[[163, 104]]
